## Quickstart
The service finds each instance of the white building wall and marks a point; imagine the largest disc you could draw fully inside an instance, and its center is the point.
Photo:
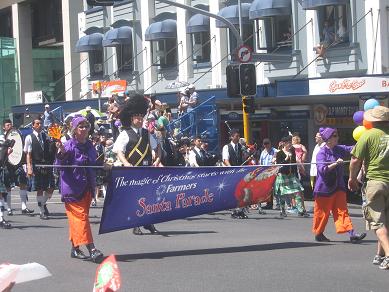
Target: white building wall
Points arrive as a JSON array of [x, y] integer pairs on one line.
[[70, 10], [21, 22]]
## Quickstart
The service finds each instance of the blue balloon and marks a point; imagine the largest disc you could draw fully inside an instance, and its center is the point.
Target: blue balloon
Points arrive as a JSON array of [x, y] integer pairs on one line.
[[370, 104], [358, 117]]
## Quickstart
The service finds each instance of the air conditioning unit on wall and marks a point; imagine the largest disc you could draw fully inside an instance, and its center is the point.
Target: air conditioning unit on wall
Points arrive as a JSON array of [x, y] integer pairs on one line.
[[98, 67]]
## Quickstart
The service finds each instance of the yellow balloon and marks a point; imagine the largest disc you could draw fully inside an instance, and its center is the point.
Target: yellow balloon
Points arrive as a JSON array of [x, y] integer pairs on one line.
[[358, 131]]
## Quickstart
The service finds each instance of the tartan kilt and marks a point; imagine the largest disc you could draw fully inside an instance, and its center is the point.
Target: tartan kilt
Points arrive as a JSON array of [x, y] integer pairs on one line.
[[3, 189], [287, 184], [42, 180]]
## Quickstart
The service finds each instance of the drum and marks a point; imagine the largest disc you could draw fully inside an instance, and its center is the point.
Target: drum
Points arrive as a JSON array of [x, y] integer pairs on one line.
[[15, 158]]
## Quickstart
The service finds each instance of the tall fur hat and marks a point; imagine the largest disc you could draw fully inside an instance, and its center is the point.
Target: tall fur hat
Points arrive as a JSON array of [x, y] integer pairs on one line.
[[136, 105]]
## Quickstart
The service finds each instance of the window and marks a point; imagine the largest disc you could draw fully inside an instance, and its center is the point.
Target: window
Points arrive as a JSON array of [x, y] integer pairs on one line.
[[124, 58], [276, 34], [201, 47], [165, 53], [336, 19], [6, 23], [46, 22], [96, 67]]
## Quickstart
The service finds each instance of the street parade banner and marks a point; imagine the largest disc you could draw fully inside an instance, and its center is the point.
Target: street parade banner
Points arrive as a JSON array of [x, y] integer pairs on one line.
[[138, 196]]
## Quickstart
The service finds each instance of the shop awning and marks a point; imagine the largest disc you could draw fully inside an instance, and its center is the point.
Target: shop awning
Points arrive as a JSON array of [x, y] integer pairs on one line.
[[315, 4], [231, 13], [165, 29], [268, 8], [118, 36], [198, 23], [90, 42]]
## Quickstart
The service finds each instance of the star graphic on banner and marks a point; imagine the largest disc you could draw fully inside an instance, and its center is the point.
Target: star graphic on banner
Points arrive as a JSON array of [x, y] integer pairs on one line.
[[189, 173], [220, 187]]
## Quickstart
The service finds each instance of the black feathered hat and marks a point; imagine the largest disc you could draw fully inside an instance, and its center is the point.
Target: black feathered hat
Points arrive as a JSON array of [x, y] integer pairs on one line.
[[136, 105]]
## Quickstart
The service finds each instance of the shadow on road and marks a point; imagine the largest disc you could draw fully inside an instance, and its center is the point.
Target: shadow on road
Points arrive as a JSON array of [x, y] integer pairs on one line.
[[170, 233], [21, 227], [222, 250], [204, 218]]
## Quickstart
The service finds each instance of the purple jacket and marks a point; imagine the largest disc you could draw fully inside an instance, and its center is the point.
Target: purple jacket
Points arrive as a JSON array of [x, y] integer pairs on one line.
[[74, 182], [329, 181]]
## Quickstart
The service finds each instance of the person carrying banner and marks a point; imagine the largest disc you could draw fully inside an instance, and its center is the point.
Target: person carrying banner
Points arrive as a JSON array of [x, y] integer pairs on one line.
[[330, 189], [77, 187], [15, 175], [39, 150], [134, 145], [232, 155]]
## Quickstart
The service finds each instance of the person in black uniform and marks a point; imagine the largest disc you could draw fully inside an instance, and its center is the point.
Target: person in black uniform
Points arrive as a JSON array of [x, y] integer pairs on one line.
[[134, 145], [40, 149], [233, 156], [15, 176], [197, 156]]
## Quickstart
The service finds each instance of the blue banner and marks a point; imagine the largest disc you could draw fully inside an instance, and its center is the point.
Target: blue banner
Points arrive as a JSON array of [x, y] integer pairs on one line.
[[138, 196]]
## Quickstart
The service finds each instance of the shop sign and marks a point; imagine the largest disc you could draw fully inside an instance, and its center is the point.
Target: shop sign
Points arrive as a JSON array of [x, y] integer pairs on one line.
[[107, 88], [342, 111], [352, 85], [292, 115], [334, 115], [33, 97]]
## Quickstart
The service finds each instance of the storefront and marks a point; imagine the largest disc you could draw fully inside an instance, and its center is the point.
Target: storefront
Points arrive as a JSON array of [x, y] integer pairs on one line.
[[344, 97], [268, 123]]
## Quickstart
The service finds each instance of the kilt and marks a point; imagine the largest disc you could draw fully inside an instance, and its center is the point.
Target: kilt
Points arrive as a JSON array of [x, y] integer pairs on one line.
[[42, 180], [287, 184], [15, 177], [3, 189]]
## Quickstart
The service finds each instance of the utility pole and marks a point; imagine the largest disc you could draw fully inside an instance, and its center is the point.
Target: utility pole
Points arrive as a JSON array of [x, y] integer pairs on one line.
[[245, 113]]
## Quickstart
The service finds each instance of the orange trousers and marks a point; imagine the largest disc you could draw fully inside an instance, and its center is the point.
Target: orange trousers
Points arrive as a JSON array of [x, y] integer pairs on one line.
[[337, 204], [80, 232]]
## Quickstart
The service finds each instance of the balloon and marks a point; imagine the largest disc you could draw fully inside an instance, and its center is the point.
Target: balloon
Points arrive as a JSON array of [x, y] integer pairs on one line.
[[370, 104], [358, 117], [368, 125], [358, 131]]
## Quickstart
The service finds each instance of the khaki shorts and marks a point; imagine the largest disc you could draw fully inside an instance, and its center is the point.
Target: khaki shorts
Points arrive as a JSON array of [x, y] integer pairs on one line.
[[376, 207]]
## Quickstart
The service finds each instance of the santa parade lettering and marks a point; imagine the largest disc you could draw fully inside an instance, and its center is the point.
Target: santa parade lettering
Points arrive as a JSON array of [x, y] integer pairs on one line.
[[182, 201]]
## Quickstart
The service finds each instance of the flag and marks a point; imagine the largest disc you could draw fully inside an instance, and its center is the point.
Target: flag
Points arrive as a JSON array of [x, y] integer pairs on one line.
[[107, 276]]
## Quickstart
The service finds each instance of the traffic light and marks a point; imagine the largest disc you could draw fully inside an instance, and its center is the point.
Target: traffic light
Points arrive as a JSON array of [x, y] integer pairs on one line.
[[232, 73], [247, 80], [102, 2], [248, 105]]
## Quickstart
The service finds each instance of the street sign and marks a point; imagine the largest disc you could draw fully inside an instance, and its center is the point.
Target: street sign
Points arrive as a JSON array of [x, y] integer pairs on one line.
[[245, 54]]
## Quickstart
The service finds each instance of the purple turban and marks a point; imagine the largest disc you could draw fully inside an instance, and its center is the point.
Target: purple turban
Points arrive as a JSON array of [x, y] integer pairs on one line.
[[326, 133], [77, 120]]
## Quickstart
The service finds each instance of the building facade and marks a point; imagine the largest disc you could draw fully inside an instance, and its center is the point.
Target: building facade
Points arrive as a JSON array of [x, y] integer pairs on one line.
[[41, 34], [151, 44]]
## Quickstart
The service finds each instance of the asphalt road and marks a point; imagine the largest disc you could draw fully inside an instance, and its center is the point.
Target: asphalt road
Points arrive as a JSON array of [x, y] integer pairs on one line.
[[205, 253]]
